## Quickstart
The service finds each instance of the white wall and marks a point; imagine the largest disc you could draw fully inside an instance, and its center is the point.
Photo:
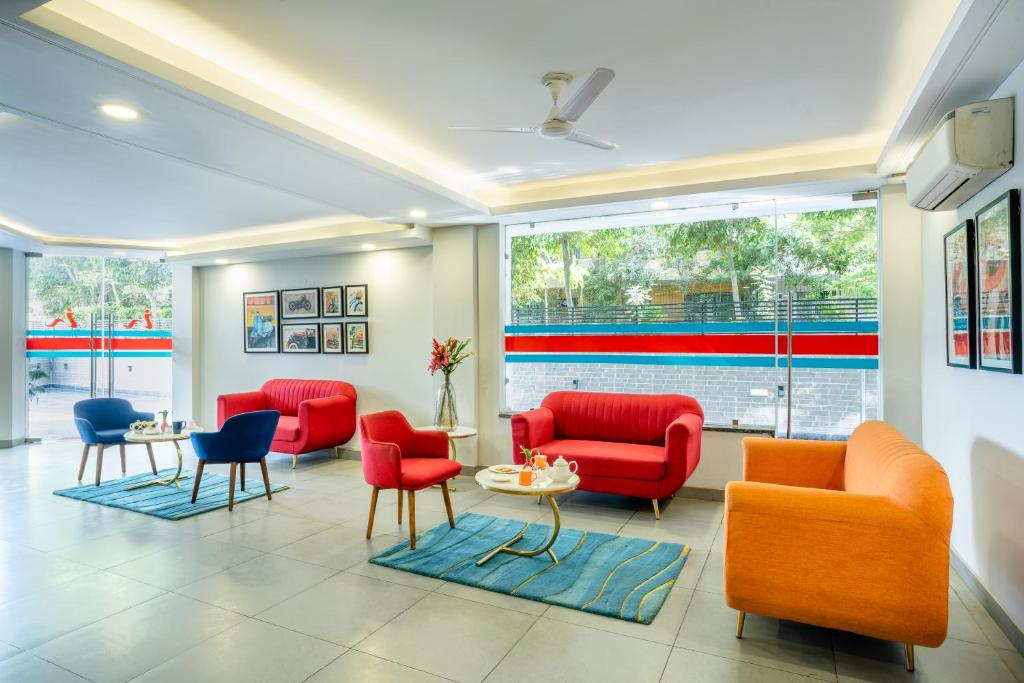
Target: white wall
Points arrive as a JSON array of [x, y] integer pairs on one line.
[[12, 347], [973, 421]]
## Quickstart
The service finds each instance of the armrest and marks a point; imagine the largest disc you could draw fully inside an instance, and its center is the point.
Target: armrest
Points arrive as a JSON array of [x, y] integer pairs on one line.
[[205, 444], [531, 429], [326, 422], [814, 464], [382, 464], [429, 442], [86, 431], [682, 444], [233, 404]]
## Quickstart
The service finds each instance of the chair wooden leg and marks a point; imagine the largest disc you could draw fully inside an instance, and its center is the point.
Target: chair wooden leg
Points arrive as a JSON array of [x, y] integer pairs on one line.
[[448, 503], [85, 459], [266, 477], [231, 487], [908, 649], [199, 476], [295, 460], [124, 467], [242, 468], [412, 520], [740, 619], [99, 462], [400, 498], [152, 460], [657, 510], [373, 509]]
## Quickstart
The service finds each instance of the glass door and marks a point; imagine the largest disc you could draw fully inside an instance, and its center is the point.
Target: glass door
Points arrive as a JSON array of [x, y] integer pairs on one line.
[[98, 326]]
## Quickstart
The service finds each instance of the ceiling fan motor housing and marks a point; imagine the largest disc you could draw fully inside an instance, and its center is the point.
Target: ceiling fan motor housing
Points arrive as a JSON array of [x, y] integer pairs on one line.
[[555, 129]]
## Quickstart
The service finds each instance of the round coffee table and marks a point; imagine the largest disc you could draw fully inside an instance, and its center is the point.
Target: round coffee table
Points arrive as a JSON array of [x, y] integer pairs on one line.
[[546, 489], [137, 437]]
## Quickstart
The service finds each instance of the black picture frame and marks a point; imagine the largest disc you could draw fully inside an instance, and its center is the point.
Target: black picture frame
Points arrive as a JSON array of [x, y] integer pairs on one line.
[[364, 294], [306, 307], [958, 247], [350, 329], [328, 348], [252, 340], [993, 234], [290, 343], [325, 311]]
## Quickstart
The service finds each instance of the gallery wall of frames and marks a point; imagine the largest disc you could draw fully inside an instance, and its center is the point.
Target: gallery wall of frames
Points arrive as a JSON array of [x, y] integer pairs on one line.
[[983, 288], [308, 320]]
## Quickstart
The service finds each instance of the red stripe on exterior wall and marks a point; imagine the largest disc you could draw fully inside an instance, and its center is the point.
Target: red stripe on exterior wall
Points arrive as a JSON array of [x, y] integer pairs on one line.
[[82, 344], [804, 345]]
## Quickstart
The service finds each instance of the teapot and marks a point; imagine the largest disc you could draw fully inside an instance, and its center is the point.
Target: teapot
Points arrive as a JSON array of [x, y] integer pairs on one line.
[[562, 470]]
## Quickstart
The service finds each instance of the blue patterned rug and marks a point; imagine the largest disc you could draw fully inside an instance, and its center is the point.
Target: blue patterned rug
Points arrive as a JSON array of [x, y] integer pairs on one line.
[[616, 576], [167, 501]]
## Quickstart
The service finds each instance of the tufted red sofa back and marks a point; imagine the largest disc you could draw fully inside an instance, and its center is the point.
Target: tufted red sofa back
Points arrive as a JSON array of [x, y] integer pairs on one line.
[[625, 418], [286, 394]]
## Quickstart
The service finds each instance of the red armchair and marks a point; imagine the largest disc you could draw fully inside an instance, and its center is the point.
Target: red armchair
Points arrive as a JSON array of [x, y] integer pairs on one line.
[[396, 456], [315, 413], [644, 445]]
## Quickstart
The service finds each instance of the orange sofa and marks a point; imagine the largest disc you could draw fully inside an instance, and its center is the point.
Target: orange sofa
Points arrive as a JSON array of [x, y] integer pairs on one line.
[[852, 536]]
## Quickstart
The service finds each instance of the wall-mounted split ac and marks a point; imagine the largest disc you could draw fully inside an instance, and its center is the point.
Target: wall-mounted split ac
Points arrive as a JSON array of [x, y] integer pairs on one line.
[[971, 147]]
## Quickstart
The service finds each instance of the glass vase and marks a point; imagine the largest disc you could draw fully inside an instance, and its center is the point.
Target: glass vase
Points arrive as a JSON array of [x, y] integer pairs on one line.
[[446, 415]]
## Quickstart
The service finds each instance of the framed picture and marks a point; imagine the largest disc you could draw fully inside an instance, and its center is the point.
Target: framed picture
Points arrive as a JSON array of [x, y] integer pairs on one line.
[[998, 252], [356, 304], [333, 340], [331, 301], [300, 303], [356, 338], [300, 338], [260, 323], [961, 292]]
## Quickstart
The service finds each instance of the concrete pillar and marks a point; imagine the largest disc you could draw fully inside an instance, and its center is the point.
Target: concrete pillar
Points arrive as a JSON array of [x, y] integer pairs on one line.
[[186, 395], [13, 319]]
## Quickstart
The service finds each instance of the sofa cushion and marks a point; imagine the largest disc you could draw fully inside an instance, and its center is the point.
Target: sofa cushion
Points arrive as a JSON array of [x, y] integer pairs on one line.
[[287, 429], [422, 472], [628, 418], [609, 458], [285, 395]]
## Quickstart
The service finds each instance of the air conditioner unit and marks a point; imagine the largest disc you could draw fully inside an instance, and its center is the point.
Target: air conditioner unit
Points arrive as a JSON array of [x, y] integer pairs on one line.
[[971, 147]]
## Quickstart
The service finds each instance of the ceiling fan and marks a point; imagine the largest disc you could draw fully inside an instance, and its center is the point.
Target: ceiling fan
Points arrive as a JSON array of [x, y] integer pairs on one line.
[[559, 123]]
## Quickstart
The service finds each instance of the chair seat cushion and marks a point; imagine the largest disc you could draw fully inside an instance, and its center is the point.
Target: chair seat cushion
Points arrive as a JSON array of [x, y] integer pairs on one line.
[[419, 473], [610, 458], [287, 428], [111, 435]]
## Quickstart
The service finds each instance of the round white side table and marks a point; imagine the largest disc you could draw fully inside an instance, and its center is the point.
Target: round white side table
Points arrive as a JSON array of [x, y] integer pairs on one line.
[[460, 432]]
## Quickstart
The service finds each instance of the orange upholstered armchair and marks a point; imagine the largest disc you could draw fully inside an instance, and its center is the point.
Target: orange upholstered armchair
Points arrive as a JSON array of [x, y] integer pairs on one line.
[[852, 536]]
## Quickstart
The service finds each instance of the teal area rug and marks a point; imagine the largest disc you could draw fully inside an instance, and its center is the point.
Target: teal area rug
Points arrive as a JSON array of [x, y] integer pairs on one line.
[[167, 501], [616, 576]]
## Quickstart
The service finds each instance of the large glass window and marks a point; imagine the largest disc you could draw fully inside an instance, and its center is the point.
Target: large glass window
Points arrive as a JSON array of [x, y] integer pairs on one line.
[[699, 302]]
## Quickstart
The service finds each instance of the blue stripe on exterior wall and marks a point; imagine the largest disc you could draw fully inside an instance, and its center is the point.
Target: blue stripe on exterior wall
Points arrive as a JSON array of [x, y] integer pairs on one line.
[[85, 333], [99, 354], [858, 363], [863, 326]]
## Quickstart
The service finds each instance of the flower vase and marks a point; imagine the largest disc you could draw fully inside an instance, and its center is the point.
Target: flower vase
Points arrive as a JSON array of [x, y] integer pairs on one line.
[[446, 415]]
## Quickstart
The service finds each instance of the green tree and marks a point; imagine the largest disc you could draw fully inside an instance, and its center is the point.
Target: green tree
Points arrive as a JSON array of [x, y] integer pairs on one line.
[[84, 284]]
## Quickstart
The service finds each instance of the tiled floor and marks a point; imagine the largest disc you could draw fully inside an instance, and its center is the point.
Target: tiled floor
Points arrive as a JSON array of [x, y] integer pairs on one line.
[[281, 591]]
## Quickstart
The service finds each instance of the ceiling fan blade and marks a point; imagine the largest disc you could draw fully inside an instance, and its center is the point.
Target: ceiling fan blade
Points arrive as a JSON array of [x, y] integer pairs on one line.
[[585, 96], [477, 129], [585, 139]]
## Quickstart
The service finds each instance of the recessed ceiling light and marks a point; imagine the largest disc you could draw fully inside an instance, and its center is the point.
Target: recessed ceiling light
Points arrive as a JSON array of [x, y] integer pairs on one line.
[[417, 213], [220, 261], [368, 246], [659, 204], [121, 112]]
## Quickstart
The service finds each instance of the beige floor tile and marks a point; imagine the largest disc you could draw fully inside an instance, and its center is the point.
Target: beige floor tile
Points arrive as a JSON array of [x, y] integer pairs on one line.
[[449, 637], [860, 659], [270, 532], [697, 534], [712, 578], [557, 651], [662, 630], [7, 651], [962, 625], [375, 571], [344, 609], [1014, 661], [359, 667], [491, 598], [24, 571], [125, 546], [690, 575], [25, 667], [185, 563], [689, 666], [339, 547]]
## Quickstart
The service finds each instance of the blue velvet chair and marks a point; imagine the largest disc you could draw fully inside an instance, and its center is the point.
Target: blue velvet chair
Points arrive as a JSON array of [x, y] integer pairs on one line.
[[242, 438], [102, 422]]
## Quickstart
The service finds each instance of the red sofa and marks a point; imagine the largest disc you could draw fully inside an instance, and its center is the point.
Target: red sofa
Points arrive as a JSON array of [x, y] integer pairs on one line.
[[644, 445], [315, 413]]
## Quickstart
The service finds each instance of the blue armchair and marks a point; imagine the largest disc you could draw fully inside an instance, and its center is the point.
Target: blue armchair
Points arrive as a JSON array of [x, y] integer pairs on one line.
[[103, 422], [242, 438]]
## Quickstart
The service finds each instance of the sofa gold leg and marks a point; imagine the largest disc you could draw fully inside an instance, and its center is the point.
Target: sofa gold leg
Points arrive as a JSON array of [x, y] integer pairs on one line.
[[908, 649], [657, 510], [295, 460], [740, 618], [337, 452]]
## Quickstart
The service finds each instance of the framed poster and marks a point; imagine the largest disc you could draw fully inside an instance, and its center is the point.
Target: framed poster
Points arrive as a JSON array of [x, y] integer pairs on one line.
[[961, 292], [333, 340], [356, 338], [259, 322], [356, 303], [300, 338], [300, 303], [331, 301], [998, 253]]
